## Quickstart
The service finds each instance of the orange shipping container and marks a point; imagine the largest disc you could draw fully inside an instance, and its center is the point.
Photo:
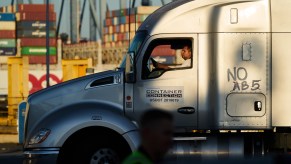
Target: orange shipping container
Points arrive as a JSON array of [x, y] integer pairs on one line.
[[34, 8], [41, 59]]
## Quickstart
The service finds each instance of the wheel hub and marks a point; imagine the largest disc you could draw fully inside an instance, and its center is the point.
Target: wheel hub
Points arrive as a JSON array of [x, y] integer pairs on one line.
[[104, 156]]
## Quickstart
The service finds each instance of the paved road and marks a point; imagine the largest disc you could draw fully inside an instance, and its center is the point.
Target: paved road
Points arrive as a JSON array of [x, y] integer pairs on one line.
[[18, 158], [12, 154], [12, 158]]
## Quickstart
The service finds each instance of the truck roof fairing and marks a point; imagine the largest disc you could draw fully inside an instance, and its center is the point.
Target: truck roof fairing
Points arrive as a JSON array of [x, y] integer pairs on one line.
[[205, 16]]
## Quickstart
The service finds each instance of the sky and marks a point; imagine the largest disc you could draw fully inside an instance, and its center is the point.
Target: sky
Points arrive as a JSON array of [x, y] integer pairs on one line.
[[65, 23]]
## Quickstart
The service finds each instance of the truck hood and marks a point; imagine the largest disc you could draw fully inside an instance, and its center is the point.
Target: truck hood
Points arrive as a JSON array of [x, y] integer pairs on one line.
[[104, 87], [66, 85]]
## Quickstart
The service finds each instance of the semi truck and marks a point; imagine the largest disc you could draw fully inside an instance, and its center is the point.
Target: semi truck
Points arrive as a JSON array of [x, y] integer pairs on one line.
[[232, 101]]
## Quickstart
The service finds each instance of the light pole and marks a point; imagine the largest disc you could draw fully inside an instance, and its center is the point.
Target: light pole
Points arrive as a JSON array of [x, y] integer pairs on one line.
[[47, 45]]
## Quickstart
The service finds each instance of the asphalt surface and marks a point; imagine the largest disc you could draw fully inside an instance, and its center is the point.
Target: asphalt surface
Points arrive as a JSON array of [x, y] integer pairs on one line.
[[12, 158], [13, 154], [18, 158]]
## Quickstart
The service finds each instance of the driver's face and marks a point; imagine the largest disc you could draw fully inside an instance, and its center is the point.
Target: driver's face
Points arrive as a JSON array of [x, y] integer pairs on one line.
[[186, 53]]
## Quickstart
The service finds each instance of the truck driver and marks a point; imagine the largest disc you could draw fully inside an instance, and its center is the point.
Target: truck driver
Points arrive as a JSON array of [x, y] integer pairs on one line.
[[186, 54]]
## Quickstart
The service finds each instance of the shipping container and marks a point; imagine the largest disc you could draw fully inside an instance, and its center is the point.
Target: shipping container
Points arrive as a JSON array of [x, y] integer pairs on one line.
[[122, 28], [7, 17], [120, 25], [7, 25], [116, 29], [7, 34], [35, 33], [26, 42], [116, 44], [110, 29], [7, 51], [38, 51], [35, 16], [9, 43], [108, 22], [124, 19], [115, 20], [35, 25], [145, 9], [133, 27], [35, 8], [138, 18], [42, 59], [105, 30], [163, 50], [8, 9], [134, 11]]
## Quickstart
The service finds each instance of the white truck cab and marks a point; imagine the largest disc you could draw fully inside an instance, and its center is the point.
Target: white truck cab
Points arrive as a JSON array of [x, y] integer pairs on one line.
[[237, 81]]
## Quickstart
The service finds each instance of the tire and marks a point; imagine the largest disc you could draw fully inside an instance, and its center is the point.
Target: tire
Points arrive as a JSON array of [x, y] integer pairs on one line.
[[94, 149]]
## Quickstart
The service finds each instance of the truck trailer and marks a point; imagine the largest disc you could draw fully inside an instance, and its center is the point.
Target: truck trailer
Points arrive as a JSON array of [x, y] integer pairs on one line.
[[232, 101]]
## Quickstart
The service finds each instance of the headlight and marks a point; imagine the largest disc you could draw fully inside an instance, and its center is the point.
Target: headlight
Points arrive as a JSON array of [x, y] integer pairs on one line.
[[39, 137]]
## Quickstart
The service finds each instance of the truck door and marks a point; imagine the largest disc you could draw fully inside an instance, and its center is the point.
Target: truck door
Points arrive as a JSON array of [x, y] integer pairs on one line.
[[172, 88]]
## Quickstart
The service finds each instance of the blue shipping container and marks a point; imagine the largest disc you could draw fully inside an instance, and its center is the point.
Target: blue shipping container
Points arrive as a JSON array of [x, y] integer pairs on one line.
[[123, 20], [7, 17], [7, 51]]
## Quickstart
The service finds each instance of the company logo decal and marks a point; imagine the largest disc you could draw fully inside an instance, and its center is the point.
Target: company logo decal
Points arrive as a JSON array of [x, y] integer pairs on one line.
[[165, 95]]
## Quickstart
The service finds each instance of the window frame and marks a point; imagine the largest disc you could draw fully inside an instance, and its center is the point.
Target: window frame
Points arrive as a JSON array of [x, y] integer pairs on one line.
[[151, 46]]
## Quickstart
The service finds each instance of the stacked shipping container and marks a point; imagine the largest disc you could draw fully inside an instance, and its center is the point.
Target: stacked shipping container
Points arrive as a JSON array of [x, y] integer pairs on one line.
[[8, 9], [31, 32], [7, 34], [120, 25]]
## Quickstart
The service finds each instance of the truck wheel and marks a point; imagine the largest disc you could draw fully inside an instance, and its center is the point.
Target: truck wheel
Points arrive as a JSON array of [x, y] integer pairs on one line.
[[94, 149], [104, 155], [93, 154]]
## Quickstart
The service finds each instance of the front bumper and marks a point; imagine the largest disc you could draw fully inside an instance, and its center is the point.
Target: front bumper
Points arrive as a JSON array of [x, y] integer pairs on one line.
[[41, 156]]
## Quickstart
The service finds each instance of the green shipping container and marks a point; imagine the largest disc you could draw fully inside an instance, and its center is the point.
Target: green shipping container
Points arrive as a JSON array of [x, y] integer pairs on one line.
[[37, 51], [9, 43], [35, 33]]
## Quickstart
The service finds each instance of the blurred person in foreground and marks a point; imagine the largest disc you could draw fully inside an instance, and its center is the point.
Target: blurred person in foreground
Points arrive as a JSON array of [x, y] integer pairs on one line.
[[156, 131]]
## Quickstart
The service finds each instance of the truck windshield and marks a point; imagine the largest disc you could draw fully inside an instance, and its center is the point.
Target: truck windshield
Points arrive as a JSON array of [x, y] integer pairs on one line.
[[135, 45]]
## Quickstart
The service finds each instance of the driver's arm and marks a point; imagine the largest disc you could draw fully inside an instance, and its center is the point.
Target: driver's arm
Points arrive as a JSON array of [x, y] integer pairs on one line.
[[159, 65], [162, 66]]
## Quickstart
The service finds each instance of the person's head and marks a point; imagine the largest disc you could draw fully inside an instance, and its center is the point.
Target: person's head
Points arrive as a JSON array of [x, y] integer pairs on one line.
[[156, 131], [186, 52]]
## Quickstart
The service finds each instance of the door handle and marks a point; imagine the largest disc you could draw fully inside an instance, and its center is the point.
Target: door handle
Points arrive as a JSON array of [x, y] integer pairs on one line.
[[186, 110]]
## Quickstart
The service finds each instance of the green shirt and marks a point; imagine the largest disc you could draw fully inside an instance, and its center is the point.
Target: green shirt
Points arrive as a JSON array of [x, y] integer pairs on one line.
[[137, 157]]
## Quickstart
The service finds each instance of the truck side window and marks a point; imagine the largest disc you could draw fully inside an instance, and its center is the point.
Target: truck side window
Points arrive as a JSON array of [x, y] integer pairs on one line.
[[167, 55]]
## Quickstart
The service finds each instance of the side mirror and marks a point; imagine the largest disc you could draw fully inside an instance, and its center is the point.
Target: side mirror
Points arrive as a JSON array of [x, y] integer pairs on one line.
[[129, 68]]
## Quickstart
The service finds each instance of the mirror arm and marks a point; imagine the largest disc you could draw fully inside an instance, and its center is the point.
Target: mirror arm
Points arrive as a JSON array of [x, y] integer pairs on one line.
[[130, 68]]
